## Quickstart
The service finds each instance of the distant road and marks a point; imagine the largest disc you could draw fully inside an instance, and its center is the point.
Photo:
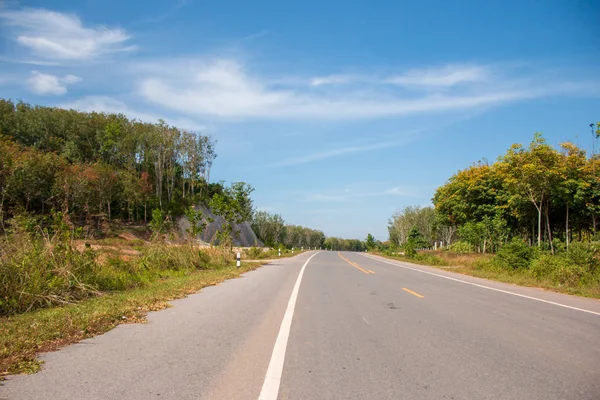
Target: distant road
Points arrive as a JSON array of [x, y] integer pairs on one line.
[[340, 326]]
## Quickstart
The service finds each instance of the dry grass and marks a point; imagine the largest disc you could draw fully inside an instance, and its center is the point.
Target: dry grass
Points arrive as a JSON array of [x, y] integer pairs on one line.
[[24, 336], [458, 259], [479, 265]]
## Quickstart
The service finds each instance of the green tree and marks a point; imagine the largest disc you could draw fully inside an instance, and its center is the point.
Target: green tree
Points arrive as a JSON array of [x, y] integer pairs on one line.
[[370, 242]]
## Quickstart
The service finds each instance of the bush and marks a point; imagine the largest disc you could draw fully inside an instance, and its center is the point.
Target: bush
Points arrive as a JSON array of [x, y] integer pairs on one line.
[[409, 249], [253, 253], [462, 247], [559, 269], [514, 255], [583, 254], [545, 266]]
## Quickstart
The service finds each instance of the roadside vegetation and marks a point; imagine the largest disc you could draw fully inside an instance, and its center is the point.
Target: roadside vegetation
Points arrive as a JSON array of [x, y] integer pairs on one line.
[[89, 232], [529, 218], [23, 336], [272, 230]]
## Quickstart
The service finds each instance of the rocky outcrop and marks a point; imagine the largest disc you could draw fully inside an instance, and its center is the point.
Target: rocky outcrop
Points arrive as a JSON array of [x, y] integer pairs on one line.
[[246, 237]]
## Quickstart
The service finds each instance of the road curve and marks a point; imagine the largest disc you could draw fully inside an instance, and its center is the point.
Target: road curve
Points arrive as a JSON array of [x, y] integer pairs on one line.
[[360, 327]]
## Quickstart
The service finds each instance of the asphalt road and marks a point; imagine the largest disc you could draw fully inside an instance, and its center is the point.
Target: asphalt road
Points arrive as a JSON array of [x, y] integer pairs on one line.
[[340, 326]]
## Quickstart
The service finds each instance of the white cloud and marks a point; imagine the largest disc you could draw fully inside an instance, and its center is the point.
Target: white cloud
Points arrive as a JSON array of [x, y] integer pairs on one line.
[[358, 193], [46, 84], [335, 80], [70, 79], [110, 105], [59, 36], [225, 89], [432, 77], [447, 76], [341, 151]]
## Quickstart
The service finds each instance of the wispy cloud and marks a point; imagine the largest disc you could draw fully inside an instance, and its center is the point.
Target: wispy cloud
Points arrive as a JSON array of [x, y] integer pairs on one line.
[[256, 35], [57, 36], [116, 106], [225, 88], [431, 77], [335, 79], [176, 5], [356, 194], [46, 84], [441, 77], [337, 152]]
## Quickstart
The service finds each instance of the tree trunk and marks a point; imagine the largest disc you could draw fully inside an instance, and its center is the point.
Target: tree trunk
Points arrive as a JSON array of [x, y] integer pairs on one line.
[[108, 203], [548, 228], [2, 211], [539, 238], [567, 224]]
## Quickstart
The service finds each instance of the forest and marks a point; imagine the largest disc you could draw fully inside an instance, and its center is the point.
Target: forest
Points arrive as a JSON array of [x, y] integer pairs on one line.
[[537, 208], [97, 166], [539, 194]]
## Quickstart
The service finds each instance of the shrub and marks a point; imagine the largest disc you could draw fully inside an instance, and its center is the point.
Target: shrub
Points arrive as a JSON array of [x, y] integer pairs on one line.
[[409, 249], [545, 265], [462, 247], [514, 255], [582, 254], [569, 274], [560, 269], [253, 253]]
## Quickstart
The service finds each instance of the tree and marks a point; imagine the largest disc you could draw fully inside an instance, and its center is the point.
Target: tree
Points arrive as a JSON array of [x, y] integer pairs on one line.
[[234, 205], [370, 242], [533, 174], [197, 222]]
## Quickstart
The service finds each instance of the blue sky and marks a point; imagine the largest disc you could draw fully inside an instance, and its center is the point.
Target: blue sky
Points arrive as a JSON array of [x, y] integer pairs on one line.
[[338, 113]]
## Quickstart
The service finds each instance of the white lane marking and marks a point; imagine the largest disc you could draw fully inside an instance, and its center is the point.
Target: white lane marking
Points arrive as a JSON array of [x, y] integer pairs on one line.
[[483, 286], [366, 321], [270, 388]]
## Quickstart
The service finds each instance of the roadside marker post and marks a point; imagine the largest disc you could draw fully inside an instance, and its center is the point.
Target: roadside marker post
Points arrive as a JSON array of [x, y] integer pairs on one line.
[[292, 250], [279, 254], [239, 260]]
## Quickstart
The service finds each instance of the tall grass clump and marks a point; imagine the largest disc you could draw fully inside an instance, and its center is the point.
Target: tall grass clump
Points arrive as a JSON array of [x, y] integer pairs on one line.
[[41, 267]]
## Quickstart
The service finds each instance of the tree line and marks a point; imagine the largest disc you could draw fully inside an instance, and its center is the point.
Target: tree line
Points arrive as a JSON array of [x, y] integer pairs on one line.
[[271, 229], [541, 194], [340, 244], [98, 165]]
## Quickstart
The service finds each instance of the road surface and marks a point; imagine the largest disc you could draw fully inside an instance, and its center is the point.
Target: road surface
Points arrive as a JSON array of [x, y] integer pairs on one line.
[[339, 326]]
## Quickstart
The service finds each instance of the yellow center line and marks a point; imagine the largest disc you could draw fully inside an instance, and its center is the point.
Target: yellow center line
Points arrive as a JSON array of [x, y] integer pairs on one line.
[[355, 265], [413, 293]]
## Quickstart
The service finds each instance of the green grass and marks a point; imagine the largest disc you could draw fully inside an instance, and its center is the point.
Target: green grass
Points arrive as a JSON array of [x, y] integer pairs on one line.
[[23, 336], [482, 266], [257, 253]]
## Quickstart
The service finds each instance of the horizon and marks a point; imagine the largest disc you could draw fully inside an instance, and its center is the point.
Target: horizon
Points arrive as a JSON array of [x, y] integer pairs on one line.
[[336, 126]]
